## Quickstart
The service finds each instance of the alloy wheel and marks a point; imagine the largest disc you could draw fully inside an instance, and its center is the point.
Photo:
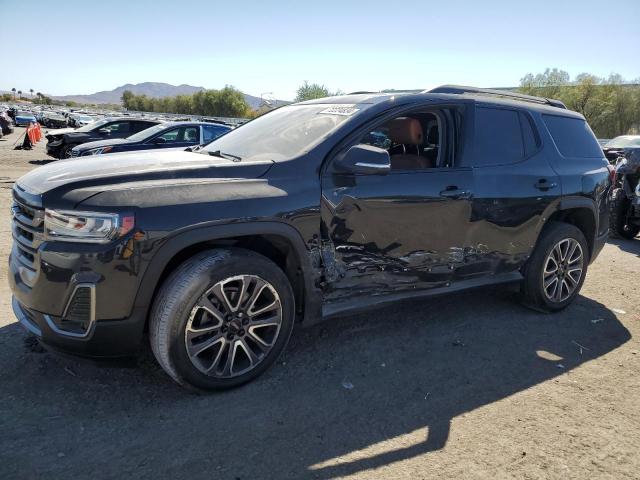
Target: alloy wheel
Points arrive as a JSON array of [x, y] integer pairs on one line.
[[233, 326], [563, 270]]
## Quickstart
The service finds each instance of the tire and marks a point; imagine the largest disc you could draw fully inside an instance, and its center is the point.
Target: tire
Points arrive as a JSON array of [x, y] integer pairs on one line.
[[537, 269], [619, 205], [66, 152], [185, 306]]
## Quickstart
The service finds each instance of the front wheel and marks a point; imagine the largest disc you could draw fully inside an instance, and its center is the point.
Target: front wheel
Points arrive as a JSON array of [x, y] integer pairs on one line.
[[66, 152], [554, 274], [221, 319]]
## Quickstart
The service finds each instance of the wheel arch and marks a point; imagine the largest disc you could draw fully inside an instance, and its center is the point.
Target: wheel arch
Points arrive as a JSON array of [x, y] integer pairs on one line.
[[580, 212], [277, 241]]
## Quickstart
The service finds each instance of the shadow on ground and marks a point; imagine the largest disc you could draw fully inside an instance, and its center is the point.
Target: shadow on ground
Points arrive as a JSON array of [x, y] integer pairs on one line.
[[630, 246], [41, 162], [412, 369]]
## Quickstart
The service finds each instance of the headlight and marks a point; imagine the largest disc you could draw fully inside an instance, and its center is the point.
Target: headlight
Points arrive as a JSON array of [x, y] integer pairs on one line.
[[98, 151], [87, 227]]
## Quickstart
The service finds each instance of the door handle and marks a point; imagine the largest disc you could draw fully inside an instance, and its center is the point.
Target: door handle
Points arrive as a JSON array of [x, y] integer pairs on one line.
[[544, 185], [454, 192]]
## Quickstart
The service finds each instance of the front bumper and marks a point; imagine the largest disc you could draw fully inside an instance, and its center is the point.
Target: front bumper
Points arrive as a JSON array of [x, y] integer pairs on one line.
[[106, 339], [78, 298], [54, 148]]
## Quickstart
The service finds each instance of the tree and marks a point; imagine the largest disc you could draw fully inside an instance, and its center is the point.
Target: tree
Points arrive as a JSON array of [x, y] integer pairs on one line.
[[20, 93], [228, 102], [611, 106], [14, 92], [31, 91], [311, 91], [127, 97]]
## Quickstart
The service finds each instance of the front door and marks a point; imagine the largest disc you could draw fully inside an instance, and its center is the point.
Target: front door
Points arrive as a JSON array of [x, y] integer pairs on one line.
[[404, 231]]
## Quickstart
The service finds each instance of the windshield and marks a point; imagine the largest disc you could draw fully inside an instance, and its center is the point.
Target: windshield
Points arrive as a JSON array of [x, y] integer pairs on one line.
[[624, 141], [146, 133], [92, 126], [283, 133]]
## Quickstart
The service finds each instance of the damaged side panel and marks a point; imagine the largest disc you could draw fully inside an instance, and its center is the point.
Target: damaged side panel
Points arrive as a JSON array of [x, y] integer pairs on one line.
[[393, 233]]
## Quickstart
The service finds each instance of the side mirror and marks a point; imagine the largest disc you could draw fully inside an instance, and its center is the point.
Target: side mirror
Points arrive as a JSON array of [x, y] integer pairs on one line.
[[158, 141], [365, 159]]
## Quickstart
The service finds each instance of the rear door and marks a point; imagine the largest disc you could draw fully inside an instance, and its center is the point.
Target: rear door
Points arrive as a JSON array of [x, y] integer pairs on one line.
[[514, 184]]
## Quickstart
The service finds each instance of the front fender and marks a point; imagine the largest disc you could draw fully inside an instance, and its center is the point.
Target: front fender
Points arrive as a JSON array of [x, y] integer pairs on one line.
[[201, 234]]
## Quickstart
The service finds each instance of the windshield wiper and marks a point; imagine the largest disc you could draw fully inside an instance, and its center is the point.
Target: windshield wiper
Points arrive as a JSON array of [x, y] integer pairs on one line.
[[220, 154]]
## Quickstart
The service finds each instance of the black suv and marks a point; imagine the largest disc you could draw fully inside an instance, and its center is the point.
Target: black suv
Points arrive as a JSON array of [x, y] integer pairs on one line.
[[60, 143], [309, 211]]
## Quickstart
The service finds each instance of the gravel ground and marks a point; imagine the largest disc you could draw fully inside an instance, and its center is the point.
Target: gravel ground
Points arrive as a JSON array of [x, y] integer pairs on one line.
[[467, 386]]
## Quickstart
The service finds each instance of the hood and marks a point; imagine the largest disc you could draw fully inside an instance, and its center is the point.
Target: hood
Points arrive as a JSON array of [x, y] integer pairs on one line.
[[101, 143], [66, 175], [60, 131]]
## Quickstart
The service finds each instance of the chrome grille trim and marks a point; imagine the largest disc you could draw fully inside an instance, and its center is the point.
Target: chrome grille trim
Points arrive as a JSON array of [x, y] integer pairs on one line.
[[27, 231]]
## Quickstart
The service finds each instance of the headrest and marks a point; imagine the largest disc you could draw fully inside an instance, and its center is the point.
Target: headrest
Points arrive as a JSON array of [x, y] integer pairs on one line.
[[405, 130]]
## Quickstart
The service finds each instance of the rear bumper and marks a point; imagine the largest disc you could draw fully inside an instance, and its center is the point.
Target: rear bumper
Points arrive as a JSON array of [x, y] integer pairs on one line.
[[105, 339]]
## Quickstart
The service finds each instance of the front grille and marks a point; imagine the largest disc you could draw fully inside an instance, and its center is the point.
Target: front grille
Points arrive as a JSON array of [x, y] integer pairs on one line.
[[28, 233]]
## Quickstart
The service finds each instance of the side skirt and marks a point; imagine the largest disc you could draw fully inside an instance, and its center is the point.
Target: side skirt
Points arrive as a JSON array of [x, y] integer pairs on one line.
[[373, 301]]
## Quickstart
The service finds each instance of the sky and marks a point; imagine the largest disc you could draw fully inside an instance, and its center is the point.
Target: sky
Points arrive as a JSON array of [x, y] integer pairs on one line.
[[271, 47]]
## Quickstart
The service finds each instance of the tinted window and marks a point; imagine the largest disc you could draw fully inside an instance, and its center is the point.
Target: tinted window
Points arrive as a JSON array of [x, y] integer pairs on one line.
[[191, 134], [118, 127], [139, 126], [573, 137], [181, 134], [210, 132], [498, 137], [170, 136]]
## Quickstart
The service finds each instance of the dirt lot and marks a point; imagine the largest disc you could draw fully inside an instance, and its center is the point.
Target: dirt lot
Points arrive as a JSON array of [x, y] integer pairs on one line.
[[467, 386]]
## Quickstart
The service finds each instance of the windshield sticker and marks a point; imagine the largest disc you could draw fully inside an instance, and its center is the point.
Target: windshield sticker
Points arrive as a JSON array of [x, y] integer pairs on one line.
[[345, 109]]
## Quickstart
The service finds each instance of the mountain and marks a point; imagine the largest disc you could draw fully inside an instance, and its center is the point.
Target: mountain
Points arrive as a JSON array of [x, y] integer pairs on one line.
[[150, 89]]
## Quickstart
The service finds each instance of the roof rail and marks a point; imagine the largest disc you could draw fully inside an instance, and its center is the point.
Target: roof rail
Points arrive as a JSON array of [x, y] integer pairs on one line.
[[457, 89]]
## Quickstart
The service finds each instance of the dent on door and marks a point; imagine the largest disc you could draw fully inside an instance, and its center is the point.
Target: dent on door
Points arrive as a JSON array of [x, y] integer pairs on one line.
[[382, 235]]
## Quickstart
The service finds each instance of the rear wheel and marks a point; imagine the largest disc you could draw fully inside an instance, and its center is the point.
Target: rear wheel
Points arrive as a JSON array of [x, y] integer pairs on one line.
[[554, 274], [221, 319], [619, 206]]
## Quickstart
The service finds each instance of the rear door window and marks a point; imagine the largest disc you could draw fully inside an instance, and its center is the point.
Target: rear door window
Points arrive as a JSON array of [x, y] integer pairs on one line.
[[498, 137], [211, 132], [573, 137]]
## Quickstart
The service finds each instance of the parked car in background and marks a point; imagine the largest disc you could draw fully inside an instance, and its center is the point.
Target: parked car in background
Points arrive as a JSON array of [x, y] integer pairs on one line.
[[23, 119], [625, 196], [60, 143], [78, 120], [615, 148], [161, 136], [5, 124], [297, 215], [53, 120], [603, 141]]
